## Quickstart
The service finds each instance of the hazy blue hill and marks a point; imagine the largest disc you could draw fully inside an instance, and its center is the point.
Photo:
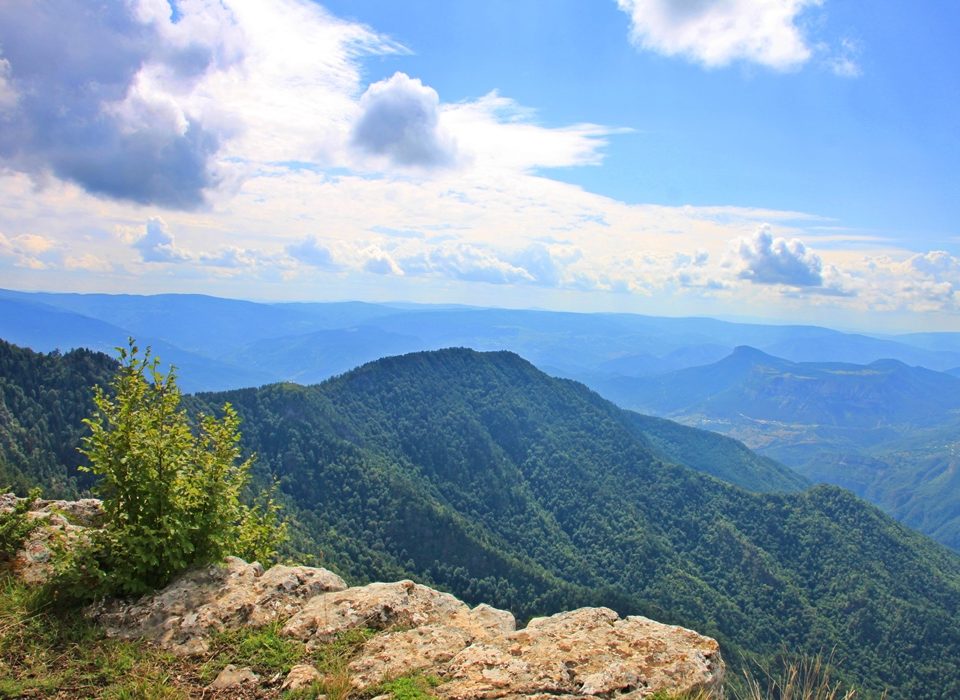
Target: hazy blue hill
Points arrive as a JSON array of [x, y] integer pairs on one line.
[[643, 365], [885, 430], [42, 327], [750, 384], [313, 357], [860, 349], [943, 341], [206, 325], [587, 347]]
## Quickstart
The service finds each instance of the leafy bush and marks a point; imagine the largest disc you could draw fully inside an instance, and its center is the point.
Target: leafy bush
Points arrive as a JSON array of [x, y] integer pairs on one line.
[[171, 493], [16, 526]]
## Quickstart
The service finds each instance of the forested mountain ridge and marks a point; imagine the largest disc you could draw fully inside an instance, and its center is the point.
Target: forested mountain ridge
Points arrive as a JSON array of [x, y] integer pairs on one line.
[[43, 399], [477, 473]]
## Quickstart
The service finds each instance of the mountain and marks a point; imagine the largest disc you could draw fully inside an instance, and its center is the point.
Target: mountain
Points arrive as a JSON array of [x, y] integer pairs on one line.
[[752, 385], [43, 399], [884, 430], [43, 327], [227, 343], [478, 473]]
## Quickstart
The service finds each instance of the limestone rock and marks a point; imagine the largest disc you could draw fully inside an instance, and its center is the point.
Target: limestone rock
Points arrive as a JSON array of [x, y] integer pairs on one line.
[[181, 616], [233, 677], [59, 522], [590, 652], [476, 653], [376, 606], [300, 676]]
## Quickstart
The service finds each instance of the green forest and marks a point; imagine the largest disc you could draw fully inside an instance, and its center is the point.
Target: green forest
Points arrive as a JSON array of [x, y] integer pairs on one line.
[[479, 474]]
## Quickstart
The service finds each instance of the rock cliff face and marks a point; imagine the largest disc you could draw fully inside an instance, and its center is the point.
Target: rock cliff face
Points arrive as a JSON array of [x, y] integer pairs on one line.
[[474, 652]]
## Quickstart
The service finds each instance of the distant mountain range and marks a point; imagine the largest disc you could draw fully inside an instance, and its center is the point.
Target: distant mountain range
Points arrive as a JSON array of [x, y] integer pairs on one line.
[[478, 473], [847, 424], [223, 343], [889, 432]]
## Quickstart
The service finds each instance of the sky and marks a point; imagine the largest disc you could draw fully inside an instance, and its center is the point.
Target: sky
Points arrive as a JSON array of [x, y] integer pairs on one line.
[[776, 160]]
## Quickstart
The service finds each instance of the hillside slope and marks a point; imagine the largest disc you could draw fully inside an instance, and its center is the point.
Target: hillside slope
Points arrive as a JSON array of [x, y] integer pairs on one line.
[[884, 430], [478, 473]]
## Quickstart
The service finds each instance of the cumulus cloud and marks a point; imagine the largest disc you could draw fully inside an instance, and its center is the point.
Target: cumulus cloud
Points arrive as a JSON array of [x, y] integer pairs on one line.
[[81, 113], [310, 252], [718, 32], [764, 259], [468, 262], [31, 251], [380, 262], [157, 244], [158, 103], [400, 119], [231, 258]]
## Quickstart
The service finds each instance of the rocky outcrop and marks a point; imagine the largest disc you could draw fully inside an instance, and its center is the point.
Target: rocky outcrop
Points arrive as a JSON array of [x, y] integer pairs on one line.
[[60, 522], [474, 652], [586, 652], [182, 616]]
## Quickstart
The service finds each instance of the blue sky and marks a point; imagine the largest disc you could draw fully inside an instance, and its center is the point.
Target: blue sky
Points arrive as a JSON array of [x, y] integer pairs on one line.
[[785, 160]]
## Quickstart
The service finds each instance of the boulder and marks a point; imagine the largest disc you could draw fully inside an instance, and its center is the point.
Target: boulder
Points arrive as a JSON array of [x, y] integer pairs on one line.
[[590, 652], [233, 677], [60, 523], [301, 676], [181, 616], [478, 653], [376, 606]]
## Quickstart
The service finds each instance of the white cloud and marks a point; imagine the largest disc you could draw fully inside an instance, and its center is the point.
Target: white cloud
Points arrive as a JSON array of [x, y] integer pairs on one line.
[[399, 120], [496, 131], [310, 252], [379, 262], [764, 259], [88, 263], [468, 262], [31, 251], [157, 244], [718, 32]]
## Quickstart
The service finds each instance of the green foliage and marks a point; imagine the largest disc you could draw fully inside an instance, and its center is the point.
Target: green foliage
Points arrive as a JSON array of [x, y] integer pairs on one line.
[[16, 526], [43, 398], [171, 495], [416, 686], [262, 649], [478, 474]]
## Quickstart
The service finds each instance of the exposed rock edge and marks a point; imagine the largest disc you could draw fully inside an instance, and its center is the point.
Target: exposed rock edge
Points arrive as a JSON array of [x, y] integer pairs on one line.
[[474, 652]]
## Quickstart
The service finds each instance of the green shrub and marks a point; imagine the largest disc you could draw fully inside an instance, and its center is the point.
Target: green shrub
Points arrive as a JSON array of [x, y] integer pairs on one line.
[[16, 526], [171, 493]]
